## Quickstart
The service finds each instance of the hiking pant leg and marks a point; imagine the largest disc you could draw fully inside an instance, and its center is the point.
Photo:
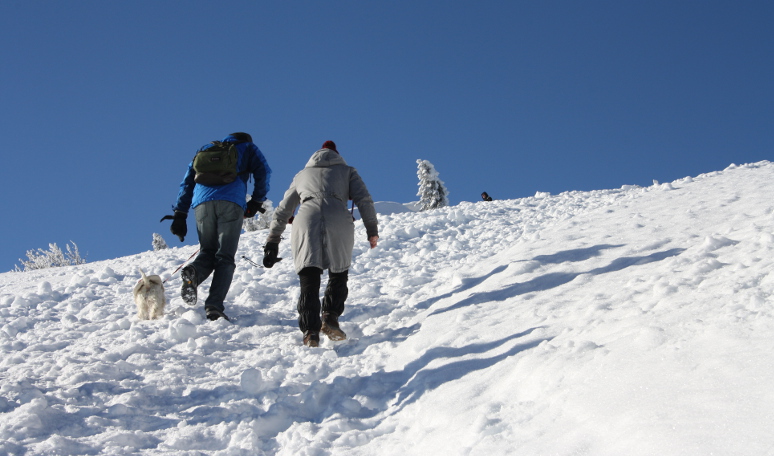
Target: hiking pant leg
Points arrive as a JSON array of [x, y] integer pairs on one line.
[[207, 229], [309, 301], [229, 217], [336, 293]]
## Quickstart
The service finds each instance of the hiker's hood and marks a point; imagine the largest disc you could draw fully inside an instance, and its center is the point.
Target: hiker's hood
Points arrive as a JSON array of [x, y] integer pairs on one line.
[[325, 157]]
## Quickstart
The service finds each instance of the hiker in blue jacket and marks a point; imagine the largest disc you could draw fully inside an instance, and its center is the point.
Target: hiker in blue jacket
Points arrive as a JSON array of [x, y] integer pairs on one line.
[[220, 210]]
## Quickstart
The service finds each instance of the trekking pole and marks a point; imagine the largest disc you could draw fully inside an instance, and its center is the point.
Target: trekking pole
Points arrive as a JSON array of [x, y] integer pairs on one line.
[[181, 266]]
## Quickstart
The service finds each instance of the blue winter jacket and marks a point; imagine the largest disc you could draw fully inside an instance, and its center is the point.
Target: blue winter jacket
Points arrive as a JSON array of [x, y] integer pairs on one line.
[[251, 162]]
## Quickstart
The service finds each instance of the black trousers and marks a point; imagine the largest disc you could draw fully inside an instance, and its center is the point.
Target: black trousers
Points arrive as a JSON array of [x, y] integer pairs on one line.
[[309, 302]]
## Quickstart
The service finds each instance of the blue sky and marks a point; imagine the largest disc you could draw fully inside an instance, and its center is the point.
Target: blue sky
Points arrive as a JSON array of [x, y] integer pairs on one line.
[[105, 103]]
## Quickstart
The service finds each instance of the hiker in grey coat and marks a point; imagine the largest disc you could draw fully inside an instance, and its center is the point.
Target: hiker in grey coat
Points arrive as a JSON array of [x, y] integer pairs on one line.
[[323, 235]]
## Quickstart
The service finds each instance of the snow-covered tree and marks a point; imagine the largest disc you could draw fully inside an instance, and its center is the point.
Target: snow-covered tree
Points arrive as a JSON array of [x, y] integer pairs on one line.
[[159, 243], [51, 258], [432, 192], [260, 221]]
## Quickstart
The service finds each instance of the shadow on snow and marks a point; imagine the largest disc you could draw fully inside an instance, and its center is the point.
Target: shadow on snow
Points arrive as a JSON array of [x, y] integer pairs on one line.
[[555, 279]]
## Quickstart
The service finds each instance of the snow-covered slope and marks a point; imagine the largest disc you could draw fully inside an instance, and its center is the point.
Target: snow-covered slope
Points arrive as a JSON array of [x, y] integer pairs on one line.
[[634, 321]]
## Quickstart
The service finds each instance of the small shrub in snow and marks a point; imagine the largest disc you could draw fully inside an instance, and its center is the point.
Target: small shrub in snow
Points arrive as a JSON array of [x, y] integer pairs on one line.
[[260, 221], [432, 192], [159, 243], [51, 258]]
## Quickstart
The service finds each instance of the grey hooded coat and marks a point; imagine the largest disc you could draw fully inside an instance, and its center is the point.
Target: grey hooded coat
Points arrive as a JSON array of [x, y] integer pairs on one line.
[[323, 232]]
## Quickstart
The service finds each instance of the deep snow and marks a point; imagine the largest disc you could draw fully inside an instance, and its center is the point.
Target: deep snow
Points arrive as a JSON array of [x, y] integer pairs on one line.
[[633, 321]]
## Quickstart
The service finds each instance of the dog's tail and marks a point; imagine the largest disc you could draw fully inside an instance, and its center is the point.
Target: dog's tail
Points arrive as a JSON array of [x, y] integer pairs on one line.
[[144, 278]]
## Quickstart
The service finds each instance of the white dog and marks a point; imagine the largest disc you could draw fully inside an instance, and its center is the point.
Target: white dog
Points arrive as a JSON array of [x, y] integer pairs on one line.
[[149, 297]]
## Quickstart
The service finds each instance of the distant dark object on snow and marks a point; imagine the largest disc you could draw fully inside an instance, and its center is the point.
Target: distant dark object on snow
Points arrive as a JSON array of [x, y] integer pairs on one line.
[[485, 196]]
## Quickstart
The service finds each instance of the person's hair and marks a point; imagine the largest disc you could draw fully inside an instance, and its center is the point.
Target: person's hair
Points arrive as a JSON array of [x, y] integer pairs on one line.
[[242, 136]]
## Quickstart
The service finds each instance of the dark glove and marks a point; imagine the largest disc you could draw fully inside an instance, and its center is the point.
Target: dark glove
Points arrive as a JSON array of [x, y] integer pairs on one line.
[[179, 227], [270, 252], [254, 207]]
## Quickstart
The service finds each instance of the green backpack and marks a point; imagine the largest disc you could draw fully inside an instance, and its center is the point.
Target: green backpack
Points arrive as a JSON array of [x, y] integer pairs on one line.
[[216, 165]]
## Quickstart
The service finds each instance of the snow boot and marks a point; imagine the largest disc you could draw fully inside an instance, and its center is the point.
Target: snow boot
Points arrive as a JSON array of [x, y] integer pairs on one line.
[[214, 314], [311, 339], [188, 290], [330, 327]]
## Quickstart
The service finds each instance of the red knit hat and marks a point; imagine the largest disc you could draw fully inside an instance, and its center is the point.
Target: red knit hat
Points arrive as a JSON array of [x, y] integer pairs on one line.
[[329, 145]]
